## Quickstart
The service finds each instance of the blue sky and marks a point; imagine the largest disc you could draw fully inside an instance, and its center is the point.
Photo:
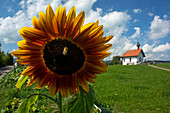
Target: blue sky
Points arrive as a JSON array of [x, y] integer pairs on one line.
[[146, 21]]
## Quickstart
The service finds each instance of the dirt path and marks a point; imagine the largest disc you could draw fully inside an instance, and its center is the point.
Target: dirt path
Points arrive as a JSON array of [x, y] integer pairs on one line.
[[5, 70], [159, 67]]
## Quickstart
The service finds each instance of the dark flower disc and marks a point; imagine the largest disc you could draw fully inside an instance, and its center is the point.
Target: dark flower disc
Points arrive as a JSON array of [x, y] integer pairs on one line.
[[63, 57]]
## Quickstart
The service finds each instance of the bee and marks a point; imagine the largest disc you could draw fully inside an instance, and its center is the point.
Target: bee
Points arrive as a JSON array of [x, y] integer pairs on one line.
[[65, 50]]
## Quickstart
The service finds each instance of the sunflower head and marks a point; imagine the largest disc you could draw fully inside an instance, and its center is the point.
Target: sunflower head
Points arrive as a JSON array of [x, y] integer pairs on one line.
[[61, 52]]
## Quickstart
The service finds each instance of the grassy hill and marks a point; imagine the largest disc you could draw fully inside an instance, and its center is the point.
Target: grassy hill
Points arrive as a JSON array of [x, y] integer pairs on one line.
[[164, 65], [136, 89]]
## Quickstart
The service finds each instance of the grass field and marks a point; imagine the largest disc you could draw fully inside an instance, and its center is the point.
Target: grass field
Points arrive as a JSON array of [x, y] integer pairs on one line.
[[129, 89], [136, 89], [164, 65]]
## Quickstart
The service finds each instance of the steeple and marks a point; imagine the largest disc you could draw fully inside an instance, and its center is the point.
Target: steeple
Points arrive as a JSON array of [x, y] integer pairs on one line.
[[138, 45]]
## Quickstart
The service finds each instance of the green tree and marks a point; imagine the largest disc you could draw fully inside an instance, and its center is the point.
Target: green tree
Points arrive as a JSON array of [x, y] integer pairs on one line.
[[116, 60], [5, 59], [10, 59]]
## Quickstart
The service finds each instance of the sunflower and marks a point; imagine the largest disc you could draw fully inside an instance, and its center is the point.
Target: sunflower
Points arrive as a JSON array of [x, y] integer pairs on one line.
[[61, 52]]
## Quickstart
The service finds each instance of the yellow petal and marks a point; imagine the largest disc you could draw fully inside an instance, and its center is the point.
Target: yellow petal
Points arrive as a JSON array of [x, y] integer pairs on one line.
[[70, 16], [95, 25], [30, 69], [55, 26], [36, 24], [77, 24], [25, 45], [33, 35], [96, 31], [43, 21], [83, 35], [50, 15], [19, 53], [58, 10], [61, 21]]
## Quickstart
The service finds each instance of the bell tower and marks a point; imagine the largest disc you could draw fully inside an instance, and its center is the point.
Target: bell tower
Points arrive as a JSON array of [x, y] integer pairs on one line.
[[138, 45]]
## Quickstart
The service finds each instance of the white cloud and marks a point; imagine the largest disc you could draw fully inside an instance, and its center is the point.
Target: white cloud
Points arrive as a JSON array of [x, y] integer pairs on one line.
[[22, 4], [160, 52], [137, 10], [159, 28], [115, 23], [136, 34], [9, 27], [150, 14], [162, 48], [148, 48]]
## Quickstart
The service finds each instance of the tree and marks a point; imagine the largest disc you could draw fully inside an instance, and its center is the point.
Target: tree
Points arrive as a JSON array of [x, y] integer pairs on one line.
[[116, 60], [5, 59]]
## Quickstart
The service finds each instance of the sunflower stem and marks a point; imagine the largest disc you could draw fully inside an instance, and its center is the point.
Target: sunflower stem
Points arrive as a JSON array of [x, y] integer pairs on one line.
[[60, 102]]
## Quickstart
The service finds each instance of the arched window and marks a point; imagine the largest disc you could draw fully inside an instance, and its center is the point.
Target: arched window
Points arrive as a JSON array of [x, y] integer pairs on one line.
[[129, 59]]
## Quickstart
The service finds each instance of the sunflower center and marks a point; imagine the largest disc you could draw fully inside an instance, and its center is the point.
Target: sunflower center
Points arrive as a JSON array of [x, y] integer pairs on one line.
[[63, 57]]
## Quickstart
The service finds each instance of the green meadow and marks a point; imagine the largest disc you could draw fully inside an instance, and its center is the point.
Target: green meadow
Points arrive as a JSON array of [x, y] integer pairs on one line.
[[123, 89], [164, 65], [136, 89]]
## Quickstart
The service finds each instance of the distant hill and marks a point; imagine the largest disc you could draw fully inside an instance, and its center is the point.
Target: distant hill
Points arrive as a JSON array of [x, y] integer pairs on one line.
[[157, 61]]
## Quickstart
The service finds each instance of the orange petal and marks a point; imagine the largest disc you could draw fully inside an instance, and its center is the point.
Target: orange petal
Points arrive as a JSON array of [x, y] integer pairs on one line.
[[43, 21], [58, 11], [33, 35], [52, 86], [76, 25], [83, 82], [36, 24], [25, 45], [84, 32], [61, 21], [96, 67], [70, 16], [102, 48], [87, 77], [97, 57], [19, 53], [49, 17]]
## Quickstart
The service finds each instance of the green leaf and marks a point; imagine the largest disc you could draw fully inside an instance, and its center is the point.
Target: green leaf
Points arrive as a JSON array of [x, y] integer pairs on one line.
[[26, 104], [81, 102], [21, 81], [51, 110]]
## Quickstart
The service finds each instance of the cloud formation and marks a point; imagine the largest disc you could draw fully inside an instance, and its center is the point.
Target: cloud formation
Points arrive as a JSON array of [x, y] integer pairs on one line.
[[137, 11], [159, 28], [136, 34], [162, 48]]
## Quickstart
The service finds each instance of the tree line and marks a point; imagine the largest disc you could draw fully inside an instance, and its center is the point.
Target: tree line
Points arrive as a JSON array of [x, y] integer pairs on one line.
[[6, 59]]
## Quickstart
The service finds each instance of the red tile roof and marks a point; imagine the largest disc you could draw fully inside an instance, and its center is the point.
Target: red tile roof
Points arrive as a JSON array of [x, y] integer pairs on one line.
[[135, 52]]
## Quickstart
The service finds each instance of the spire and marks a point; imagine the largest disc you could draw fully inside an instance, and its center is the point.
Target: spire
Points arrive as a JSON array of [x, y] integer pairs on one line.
[[138, 45]]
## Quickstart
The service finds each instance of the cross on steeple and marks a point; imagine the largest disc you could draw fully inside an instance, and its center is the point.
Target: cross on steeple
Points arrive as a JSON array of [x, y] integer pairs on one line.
[[138, 45]]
